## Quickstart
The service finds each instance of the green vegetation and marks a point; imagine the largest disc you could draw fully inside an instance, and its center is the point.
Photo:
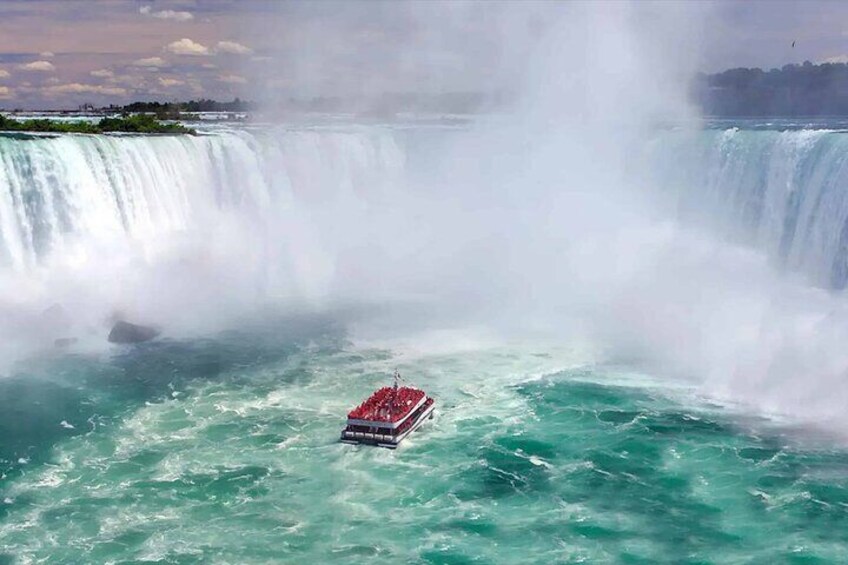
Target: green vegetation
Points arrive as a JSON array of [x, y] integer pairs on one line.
[[138, 123], [182, 110], [805, 90], [165, 109], [141, 123]]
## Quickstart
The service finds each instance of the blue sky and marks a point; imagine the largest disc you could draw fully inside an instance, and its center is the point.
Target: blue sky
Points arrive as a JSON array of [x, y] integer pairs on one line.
[[61, 53], [760, 33]]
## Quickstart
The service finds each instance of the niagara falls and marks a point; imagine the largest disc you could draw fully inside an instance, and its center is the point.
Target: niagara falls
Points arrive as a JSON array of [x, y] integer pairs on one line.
[[423, 282]]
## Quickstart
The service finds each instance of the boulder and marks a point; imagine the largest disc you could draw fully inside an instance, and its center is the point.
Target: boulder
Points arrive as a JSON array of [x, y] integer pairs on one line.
[[54, 321], [63, 342], [125, 332]]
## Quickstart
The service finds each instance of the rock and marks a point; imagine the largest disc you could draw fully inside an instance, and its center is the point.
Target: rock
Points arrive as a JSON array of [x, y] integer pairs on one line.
[[62, 342], [54, 320], [55, 314], [125, 332]]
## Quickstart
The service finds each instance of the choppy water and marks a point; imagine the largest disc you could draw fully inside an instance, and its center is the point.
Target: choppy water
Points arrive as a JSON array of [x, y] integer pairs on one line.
[[224, 451]]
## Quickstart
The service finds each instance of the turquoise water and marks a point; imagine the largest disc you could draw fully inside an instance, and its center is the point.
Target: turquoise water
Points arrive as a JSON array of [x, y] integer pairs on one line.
[[224, 450]]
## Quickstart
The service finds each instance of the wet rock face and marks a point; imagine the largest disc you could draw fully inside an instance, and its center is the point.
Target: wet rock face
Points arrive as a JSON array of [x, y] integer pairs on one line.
[[125, 332]]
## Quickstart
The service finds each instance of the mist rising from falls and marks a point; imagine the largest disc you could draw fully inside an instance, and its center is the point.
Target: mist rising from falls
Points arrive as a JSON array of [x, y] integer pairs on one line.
[[191, 232], [69, 190], [574, 216], [632, 232], [782, 192], [179, 230]]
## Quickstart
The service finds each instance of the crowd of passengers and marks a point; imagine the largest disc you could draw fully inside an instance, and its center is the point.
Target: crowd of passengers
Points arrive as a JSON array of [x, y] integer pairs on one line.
[[397, 431], [386, 404]]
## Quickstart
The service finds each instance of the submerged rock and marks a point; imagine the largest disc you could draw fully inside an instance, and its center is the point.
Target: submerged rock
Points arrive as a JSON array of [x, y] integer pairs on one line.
[[63, 342], [56, 315], [125, 332], [54, 321]]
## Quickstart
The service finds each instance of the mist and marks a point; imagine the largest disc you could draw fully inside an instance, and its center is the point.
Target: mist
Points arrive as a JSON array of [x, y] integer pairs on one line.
[[539, 218], [542, 218]]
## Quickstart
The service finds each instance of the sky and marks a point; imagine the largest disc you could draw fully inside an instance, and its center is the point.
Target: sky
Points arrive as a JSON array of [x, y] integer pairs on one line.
[[757, 33], [59, 54], [63, 53]]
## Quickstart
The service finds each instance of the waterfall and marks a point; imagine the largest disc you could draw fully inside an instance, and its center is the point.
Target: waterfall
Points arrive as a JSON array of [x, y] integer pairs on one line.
[[192, 231], [783, 192], [64, 191]]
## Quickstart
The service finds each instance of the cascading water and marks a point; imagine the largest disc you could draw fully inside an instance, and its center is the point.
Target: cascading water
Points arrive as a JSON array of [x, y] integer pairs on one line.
[[563, 295], [59, 191], [178, 230], [780, 191], [185, 231], [138, 455]]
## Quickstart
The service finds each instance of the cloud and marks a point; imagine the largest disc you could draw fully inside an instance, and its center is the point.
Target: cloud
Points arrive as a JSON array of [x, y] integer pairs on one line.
[[102, 73], [232, 79], [38, 66], [166, 14], [77, 88], [186, 46], [46, 54], [4, 73], [132, 81], [837, 59], [5, 92], [196, 87], [154, 62], [164, 81], [233, 48]]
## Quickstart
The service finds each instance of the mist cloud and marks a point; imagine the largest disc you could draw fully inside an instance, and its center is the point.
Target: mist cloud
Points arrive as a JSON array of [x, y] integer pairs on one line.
[[178, 16], [38, 66], [186, 46], [150, 62], [233, 48]]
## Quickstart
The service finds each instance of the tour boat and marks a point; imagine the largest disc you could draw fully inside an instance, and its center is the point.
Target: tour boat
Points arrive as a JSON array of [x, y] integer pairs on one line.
[[388, 416]]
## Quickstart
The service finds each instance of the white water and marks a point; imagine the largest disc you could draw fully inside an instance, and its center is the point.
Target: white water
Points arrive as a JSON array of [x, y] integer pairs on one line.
[[190, 232], [780, 191], [65, 197], [65, 191], [179, 230]]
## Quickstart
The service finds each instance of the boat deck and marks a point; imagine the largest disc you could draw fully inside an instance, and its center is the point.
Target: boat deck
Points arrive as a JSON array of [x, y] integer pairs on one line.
[[353, 435], [388, 405]]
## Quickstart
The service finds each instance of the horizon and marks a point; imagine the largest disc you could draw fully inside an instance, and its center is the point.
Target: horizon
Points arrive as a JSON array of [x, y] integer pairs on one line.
[[468, 102], [119, 51]]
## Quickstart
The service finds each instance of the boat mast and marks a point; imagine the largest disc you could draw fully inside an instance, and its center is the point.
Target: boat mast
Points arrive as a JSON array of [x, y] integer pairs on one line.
[[395, 391]]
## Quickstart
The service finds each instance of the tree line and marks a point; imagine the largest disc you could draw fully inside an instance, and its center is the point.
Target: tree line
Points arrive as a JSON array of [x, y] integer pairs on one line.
[[174, 109], [791, 91]]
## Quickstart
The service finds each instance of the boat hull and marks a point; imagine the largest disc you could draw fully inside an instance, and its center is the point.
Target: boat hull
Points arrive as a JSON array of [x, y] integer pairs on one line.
[[387, 440]]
